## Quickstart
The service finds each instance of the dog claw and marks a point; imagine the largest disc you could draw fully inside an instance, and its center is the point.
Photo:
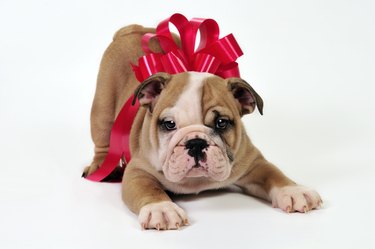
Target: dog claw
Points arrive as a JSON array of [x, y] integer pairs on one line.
[[320, 204], [288, 209], [186, 222], [84, 174], [305, 209], [158, 227], [143, 225]]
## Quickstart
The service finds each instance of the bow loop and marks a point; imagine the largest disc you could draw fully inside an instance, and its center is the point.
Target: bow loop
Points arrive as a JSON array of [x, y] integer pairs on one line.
[[208, 30], [180, 22], [226, 49], [206, 63], [174, 62]]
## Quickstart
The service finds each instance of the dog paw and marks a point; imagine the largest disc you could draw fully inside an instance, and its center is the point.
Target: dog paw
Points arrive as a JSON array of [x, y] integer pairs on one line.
[[295, 199], [164, 215]]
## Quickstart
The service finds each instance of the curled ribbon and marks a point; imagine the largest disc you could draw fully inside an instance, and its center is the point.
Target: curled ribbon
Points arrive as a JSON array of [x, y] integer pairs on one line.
[[213, 55]]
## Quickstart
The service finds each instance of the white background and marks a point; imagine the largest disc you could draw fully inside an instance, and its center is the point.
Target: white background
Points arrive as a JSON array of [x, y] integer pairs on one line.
[[311, 61]]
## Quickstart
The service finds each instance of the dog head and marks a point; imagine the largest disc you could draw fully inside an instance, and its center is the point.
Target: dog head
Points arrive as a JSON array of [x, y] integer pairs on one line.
[[195, 126]]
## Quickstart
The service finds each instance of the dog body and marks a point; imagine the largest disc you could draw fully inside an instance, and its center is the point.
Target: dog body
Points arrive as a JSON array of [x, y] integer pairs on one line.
[[187, 137]]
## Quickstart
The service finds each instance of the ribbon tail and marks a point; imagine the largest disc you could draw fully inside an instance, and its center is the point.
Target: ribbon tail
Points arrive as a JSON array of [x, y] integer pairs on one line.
[[119, 142]]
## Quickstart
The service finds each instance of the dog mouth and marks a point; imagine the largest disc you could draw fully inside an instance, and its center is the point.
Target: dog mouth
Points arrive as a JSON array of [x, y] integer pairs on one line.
[[197, 171], [210, 162], [194, 152]]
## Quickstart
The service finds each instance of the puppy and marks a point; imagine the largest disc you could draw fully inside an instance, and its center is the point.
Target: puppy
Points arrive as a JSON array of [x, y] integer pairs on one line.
[[187, 137]]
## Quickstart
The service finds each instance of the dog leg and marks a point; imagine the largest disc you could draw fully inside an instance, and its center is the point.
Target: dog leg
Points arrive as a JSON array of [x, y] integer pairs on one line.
[[266, 181], [144, 195]]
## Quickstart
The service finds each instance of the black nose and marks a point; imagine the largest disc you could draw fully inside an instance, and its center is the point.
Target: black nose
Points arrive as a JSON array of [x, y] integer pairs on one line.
[[195, 149]]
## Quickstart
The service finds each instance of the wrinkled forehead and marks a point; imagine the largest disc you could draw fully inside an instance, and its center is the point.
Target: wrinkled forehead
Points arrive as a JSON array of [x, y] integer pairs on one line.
[[190, 96], [187, 107]]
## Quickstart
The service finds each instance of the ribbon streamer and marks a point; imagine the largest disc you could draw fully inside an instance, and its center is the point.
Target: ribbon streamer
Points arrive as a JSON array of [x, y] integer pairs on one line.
[[213, 55], [119, 142]]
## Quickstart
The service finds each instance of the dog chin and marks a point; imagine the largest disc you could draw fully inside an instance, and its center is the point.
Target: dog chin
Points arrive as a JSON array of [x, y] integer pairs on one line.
[[197, 172], [215, 168]]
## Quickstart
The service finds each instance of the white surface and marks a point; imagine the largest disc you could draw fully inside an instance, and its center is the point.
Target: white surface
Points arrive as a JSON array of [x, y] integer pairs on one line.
[[311, 61]]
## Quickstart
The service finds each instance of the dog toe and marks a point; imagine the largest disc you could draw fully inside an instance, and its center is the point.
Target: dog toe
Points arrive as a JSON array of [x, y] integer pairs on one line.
[[164, 215], [295, 199]]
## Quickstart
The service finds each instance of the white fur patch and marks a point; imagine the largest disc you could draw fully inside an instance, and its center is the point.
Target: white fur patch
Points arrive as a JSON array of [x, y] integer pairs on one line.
[[295, 198], [162, 216], [188, 108]]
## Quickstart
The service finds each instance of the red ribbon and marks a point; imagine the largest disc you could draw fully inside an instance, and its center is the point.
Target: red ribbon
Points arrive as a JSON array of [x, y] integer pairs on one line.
[[213, 55]]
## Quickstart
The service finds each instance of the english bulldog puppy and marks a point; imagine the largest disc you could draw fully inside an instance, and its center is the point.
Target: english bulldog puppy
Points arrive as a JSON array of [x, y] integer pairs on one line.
[[187, 137]]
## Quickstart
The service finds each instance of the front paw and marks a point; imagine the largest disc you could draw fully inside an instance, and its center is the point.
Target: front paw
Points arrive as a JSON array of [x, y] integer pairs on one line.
[[295, 199], [164, 215]]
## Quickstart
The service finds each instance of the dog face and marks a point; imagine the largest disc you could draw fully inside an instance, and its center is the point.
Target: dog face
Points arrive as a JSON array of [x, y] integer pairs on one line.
[[195, 123]]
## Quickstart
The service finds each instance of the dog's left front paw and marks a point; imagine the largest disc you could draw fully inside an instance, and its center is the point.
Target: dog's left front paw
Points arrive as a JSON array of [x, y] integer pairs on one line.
[[295, 199], [164, 215]]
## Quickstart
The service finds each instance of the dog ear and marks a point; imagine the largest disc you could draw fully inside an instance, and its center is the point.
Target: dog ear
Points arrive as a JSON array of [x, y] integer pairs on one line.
[[245, 95], [150, 89]]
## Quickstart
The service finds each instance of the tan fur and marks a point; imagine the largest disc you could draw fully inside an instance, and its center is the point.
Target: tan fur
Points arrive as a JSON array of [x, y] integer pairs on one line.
[[143, 184]]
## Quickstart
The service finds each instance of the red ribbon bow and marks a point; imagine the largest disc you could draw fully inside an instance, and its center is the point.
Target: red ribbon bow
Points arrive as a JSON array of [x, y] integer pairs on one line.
[[213, 55]]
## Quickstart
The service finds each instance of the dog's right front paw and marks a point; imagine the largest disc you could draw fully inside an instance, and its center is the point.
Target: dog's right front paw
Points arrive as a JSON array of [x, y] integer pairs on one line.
[[164, 215]]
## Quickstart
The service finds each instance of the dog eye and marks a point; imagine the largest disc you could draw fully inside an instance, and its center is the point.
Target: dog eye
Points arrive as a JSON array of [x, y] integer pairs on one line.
[[169, 125], [221, 123]]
